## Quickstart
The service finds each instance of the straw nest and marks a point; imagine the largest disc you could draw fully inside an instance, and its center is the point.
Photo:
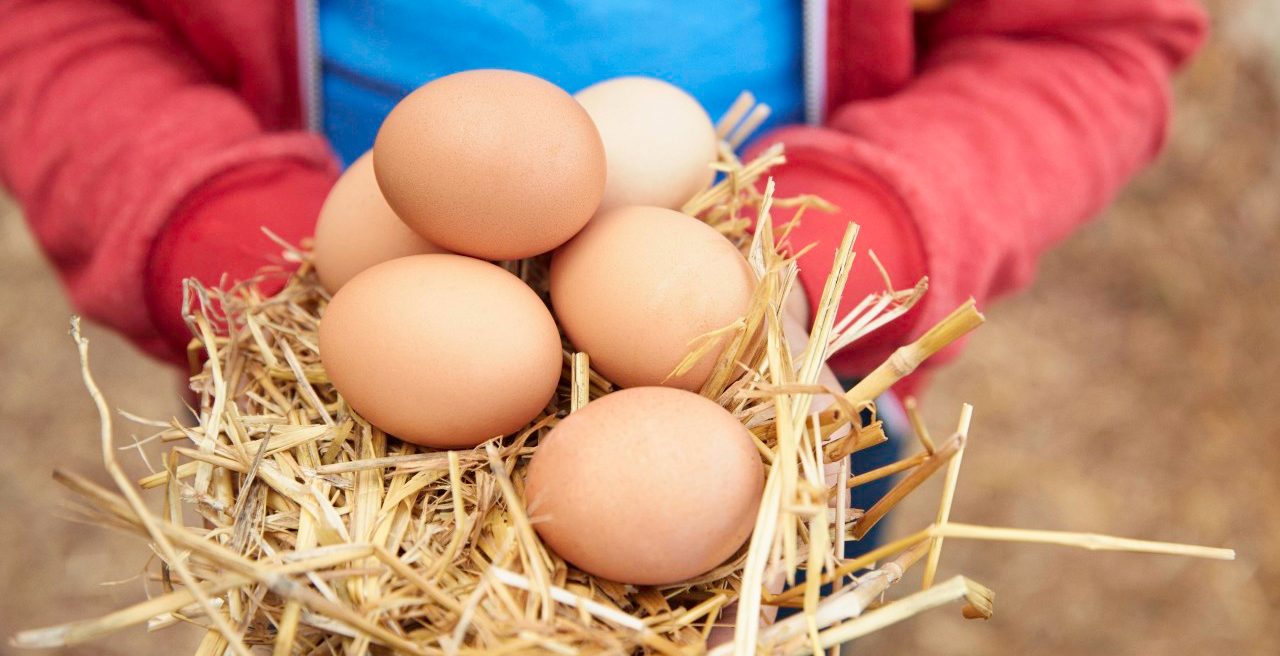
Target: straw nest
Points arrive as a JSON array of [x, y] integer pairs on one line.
[[287, 521]]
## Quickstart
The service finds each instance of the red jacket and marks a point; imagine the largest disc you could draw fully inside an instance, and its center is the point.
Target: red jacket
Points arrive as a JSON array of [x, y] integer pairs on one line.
[[149, 140]]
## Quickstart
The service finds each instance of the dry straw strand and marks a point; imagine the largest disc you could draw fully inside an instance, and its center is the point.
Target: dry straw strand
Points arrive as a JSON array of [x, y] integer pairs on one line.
[[948, 495]]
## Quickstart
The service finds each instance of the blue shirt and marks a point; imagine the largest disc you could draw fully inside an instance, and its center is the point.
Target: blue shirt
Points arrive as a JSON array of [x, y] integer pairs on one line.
[[374, 53]]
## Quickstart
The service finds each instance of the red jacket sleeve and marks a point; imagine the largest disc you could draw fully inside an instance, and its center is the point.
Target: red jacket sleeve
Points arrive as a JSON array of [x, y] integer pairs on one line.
[[1025, 118], [107, 127]]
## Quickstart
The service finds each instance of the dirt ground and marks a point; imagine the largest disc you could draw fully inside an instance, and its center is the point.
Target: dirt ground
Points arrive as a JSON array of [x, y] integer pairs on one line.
[[1132, 390]]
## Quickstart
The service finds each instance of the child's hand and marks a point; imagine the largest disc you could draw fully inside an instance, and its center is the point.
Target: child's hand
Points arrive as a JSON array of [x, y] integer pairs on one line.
[[797, 337], [218, 231]]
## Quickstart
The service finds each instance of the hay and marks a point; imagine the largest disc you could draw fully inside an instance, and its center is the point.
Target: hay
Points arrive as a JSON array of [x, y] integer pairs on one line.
[[289, 522]]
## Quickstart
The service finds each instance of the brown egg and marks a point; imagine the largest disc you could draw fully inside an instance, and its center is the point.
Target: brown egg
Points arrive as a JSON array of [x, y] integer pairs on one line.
[[649, 486], [658, 141], [357, 229], [441, 350], [495, 164], [638, 284]]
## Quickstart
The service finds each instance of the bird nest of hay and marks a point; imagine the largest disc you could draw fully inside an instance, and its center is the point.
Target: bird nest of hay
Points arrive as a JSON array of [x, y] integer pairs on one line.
[[287, 522]]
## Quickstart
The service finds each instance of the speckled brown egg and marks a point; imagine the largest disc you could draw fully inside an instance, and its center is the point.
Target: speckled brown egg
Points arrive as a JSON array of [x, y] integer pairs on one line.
[[658, 141], [648, 486], [441, 350], [494, 164], [638, 284], [356, 228]]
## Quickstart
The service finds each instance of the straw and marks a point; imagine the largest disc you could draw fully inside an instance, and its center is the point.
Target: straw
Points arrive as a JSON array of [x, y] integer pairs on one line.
[[318, 533], [948, 495]]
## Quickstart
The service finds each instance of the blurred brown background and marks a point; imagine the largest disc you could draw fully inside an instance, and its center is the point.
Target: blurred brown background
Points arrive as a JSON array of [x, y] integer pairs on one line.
[[1134, 390]]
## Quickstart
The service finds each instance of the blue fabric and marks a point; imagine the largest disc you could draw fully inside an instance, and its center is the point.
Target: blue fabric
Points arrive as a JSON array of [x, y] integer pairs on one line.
[[373, 53], [865, 496]]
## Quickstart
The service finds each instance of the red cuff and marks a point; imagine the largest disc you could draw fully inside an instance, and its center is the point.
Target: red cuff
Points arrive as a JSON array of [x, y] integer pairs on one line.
[[885, 226], [217, 231]]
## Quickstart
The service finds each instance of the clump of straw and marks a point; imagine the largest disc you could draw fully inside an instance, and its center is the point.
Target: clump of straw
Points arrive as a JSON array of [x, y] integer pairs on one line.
[[291, 523]]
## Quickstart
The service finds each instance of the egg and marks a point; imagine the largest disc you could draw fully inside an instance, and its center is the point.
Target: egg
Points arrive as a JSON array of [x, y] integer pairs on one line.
[[494, 164], [638, 284], [649, 486], [658, 141], [356, 228], [441, 350]]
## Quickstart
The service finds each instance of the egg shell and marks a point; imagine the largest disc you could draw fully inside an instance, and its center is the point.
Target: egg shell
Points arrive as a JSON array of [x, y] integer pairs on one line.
[[658, 141], [356, 228], [441, 350], [638, 284], [648, 486], [494, 164]]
